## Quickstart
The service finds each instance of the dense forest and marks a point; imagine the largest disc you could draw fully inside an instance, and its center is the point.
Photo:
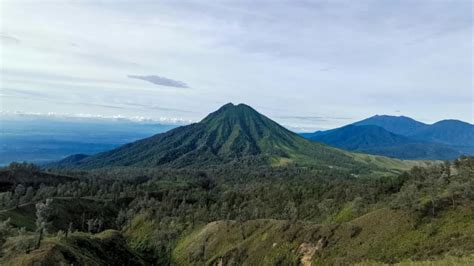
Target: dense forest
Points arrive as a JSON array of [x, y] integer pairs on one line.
[[153, 210]]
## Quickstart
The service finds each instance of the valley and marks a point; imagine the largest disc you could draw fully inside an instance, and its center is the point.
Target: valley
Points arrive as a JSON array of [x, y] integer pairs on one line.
[[236, 189]]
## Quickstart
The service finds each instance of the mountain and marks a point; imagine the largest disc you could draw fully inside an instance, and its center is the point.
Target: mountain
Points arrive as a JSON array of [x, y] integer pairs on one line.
[[450, 132], [352, 137], [402, 137], [378, 141], [401, 125], [234, 133]]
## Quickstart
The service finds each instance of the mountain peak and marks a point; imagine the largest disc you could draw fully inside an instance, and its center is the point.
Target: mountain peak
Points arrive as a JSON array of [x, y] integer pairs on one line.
[[401, 125], [227, 106], [453, 122], [229, 111], [230, 106], [233, 133], [400, 117]]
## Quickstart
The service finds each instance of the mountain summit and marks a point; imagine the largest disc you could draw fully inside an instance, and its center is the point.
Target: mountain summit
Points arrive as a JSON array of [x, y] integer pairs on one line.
[[402, 137], [233, 133], [239, 130], [401, 125]]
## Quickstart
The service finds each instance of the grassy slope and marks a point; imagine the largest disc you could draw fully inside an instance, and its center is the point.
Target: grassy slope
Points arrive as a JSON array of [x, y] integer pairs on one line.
[[446, 261], [105, 248], [387, 166], [383, 235]]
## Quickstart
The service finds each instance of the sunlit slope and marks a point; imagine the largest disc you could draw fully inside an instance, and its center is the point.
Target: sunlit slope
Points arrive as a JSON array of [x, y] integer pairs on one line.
[[381, 236]]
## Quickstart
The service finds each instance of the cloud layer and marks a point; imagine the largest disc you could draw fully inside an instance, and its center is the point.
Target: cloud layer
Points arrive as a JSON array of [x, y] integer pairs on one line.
[[303, 63], [161, 81]]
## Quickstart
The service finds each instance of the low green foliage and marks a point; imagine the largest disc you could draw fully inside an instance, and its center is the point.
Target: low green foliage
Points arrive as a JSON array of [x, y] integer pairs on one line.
[[383, 236], [251, 215]]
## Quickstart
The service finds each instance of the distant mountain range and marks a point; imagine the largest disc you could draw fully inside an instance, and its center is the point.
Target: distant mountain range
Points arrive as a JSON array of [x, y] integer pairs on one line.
[[232, 134], [402, 137]]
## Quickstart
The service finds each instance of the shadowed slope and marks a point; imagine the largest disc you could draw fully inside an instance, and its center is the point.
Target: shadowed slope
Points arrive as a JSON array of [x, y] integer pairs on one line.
[[376, 140], [397, 124]]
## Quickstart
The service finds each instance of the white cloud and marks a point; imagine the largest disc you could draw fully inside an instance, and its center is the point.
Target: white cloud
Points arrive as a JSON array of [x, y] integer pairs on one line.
[[412, 56], [137, 119]]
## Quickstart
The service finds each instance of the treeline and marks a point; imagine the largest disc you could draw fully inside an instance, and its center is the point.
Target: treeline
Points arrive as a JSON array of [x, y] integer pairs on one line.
[[426, 191], [156, 206]]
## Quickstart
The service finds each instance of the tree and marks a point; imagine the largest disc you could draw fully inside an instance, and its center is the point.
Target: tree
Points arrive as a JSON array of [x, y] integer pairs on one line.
[[326, 207], [291, 212], [43, 213], [454, 189], [407, 198], [30, 193], [447, 169], [19, 191], [116, 189], [5, 230], [433, 184], [69, 229], [121, 219], [8, 199], [83, 221], [241, 218]]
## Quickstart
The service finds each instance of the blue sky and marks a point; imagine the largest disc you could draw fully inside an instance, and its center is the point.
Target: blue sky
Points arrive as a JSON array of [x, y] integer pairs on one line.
[[307, 64]]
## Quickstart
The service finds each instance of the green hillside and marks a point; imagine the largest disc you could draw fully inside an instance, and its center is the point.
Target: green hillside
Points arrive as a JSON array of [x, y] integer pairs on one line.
[[236, 189], [381, 236], [244, 216], [232, 134]]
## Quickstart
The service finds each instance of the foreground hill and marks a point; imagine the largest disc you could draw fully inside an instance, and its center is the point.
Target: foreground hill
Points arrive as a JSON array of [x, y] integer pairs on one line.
[[381, 236], [243, 216], [232, 134], [402, 137]]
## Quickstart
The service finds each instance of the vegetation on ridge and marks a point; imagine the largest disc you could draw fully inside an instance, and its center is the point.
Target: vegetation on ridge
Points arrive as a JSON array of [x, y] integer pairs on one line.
[[236, 189], [234, 134]]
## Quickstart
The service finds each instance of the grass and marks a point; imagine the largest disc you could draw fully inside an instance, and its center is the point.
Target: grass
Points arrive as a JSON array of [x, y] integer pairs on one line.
[[392, 236], [446, 261], [395, 165], [140, 233], [381, 236]]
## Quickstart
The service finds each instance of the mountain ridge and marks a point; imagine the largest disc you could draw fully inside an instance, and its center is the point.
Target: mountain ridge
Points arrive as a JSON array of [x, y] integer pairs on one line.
[[401, 125], [233, 133], [402, 137]]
